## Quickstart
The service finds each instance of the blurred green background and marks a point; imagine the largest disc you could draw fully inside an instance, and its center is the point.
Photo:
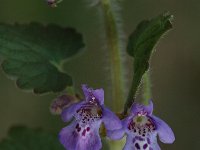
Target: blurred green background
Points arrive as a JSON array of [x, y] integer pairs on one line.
[[175, 67]]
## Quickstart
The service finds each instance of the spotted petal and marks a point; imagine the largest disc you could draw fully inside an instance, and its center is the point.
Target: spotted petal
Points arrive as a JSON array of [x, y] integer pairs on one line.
[[129, 143], [134, 142], [93, 142], [83, 139], [142, 129], [165, 133], [69, 112], [152, 142]]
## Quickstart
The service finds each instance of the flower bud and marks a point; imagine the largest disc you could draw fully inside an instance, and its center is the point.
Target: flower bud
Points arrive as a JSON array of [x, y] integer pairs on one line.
[[53, 3], [62, 102]]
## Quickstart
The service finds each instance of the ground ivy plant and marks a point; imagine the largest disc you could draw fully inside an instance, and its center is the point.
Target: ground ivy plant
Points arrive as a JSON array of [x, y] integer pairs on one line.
[[33, 55]]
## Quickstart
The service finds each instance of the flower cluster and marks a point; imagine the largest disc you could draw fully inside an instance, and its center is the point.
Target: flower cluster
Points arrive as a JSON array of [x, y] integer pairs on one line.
[[141, 127]]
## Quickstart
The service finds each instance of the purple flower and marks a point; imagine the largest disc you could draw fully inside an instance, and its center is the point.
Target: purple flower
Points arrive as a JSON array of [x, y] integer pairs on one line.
[[83, 132], [142, 129]]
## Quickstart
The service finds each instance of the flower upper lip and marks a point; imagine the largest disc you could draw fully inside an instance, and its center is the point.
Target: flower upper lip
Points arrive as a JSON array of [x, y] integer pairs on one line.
[[142, 109]]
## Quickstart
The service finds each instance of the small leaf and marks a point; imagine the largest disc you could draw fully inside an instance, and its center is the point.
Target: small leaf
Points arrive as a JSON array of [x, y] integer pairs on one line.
[[34, 53], [140, 47], [21, 138]]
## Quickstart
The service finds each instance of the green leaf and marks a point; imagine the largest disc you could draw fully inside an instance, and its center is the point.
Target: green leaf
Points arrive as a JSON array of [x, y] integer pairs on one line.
[[33, 54], [21, 138], [140, 47]]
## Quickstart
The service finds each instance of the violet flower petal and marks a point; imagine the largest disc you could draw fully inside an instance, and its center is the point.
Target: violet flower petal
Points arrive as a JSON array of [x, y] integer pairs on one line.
[[115, 134], [68, 138], [129, 143], [93, 142], [90, 93], [142, 128], [83, 132], [110, 120], [136, 108], [165, 133], [84, 139], [68, 113]]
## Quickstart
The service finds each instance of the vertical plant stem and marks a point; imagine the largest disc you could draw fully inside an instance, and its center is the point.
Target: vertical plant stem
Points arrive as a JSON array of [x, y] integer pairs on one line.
[[146, 88], [113, 42]]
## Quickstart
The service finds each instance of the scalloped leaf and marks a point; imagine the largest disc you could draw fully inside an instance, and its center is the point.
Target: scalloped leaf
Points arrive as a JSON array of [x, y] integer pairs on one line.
[[33, 55]]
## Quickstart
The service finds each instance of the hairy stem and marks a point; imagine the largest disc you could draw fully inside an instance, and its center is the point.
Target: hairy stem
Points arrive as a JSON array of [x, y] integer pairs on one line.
[[146, 88], [114, 46]]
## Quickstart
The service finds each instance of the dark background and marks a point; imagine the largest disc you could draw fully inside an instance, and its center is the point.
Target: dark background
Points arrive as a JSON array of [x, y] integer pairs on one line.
[[175, 66]]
